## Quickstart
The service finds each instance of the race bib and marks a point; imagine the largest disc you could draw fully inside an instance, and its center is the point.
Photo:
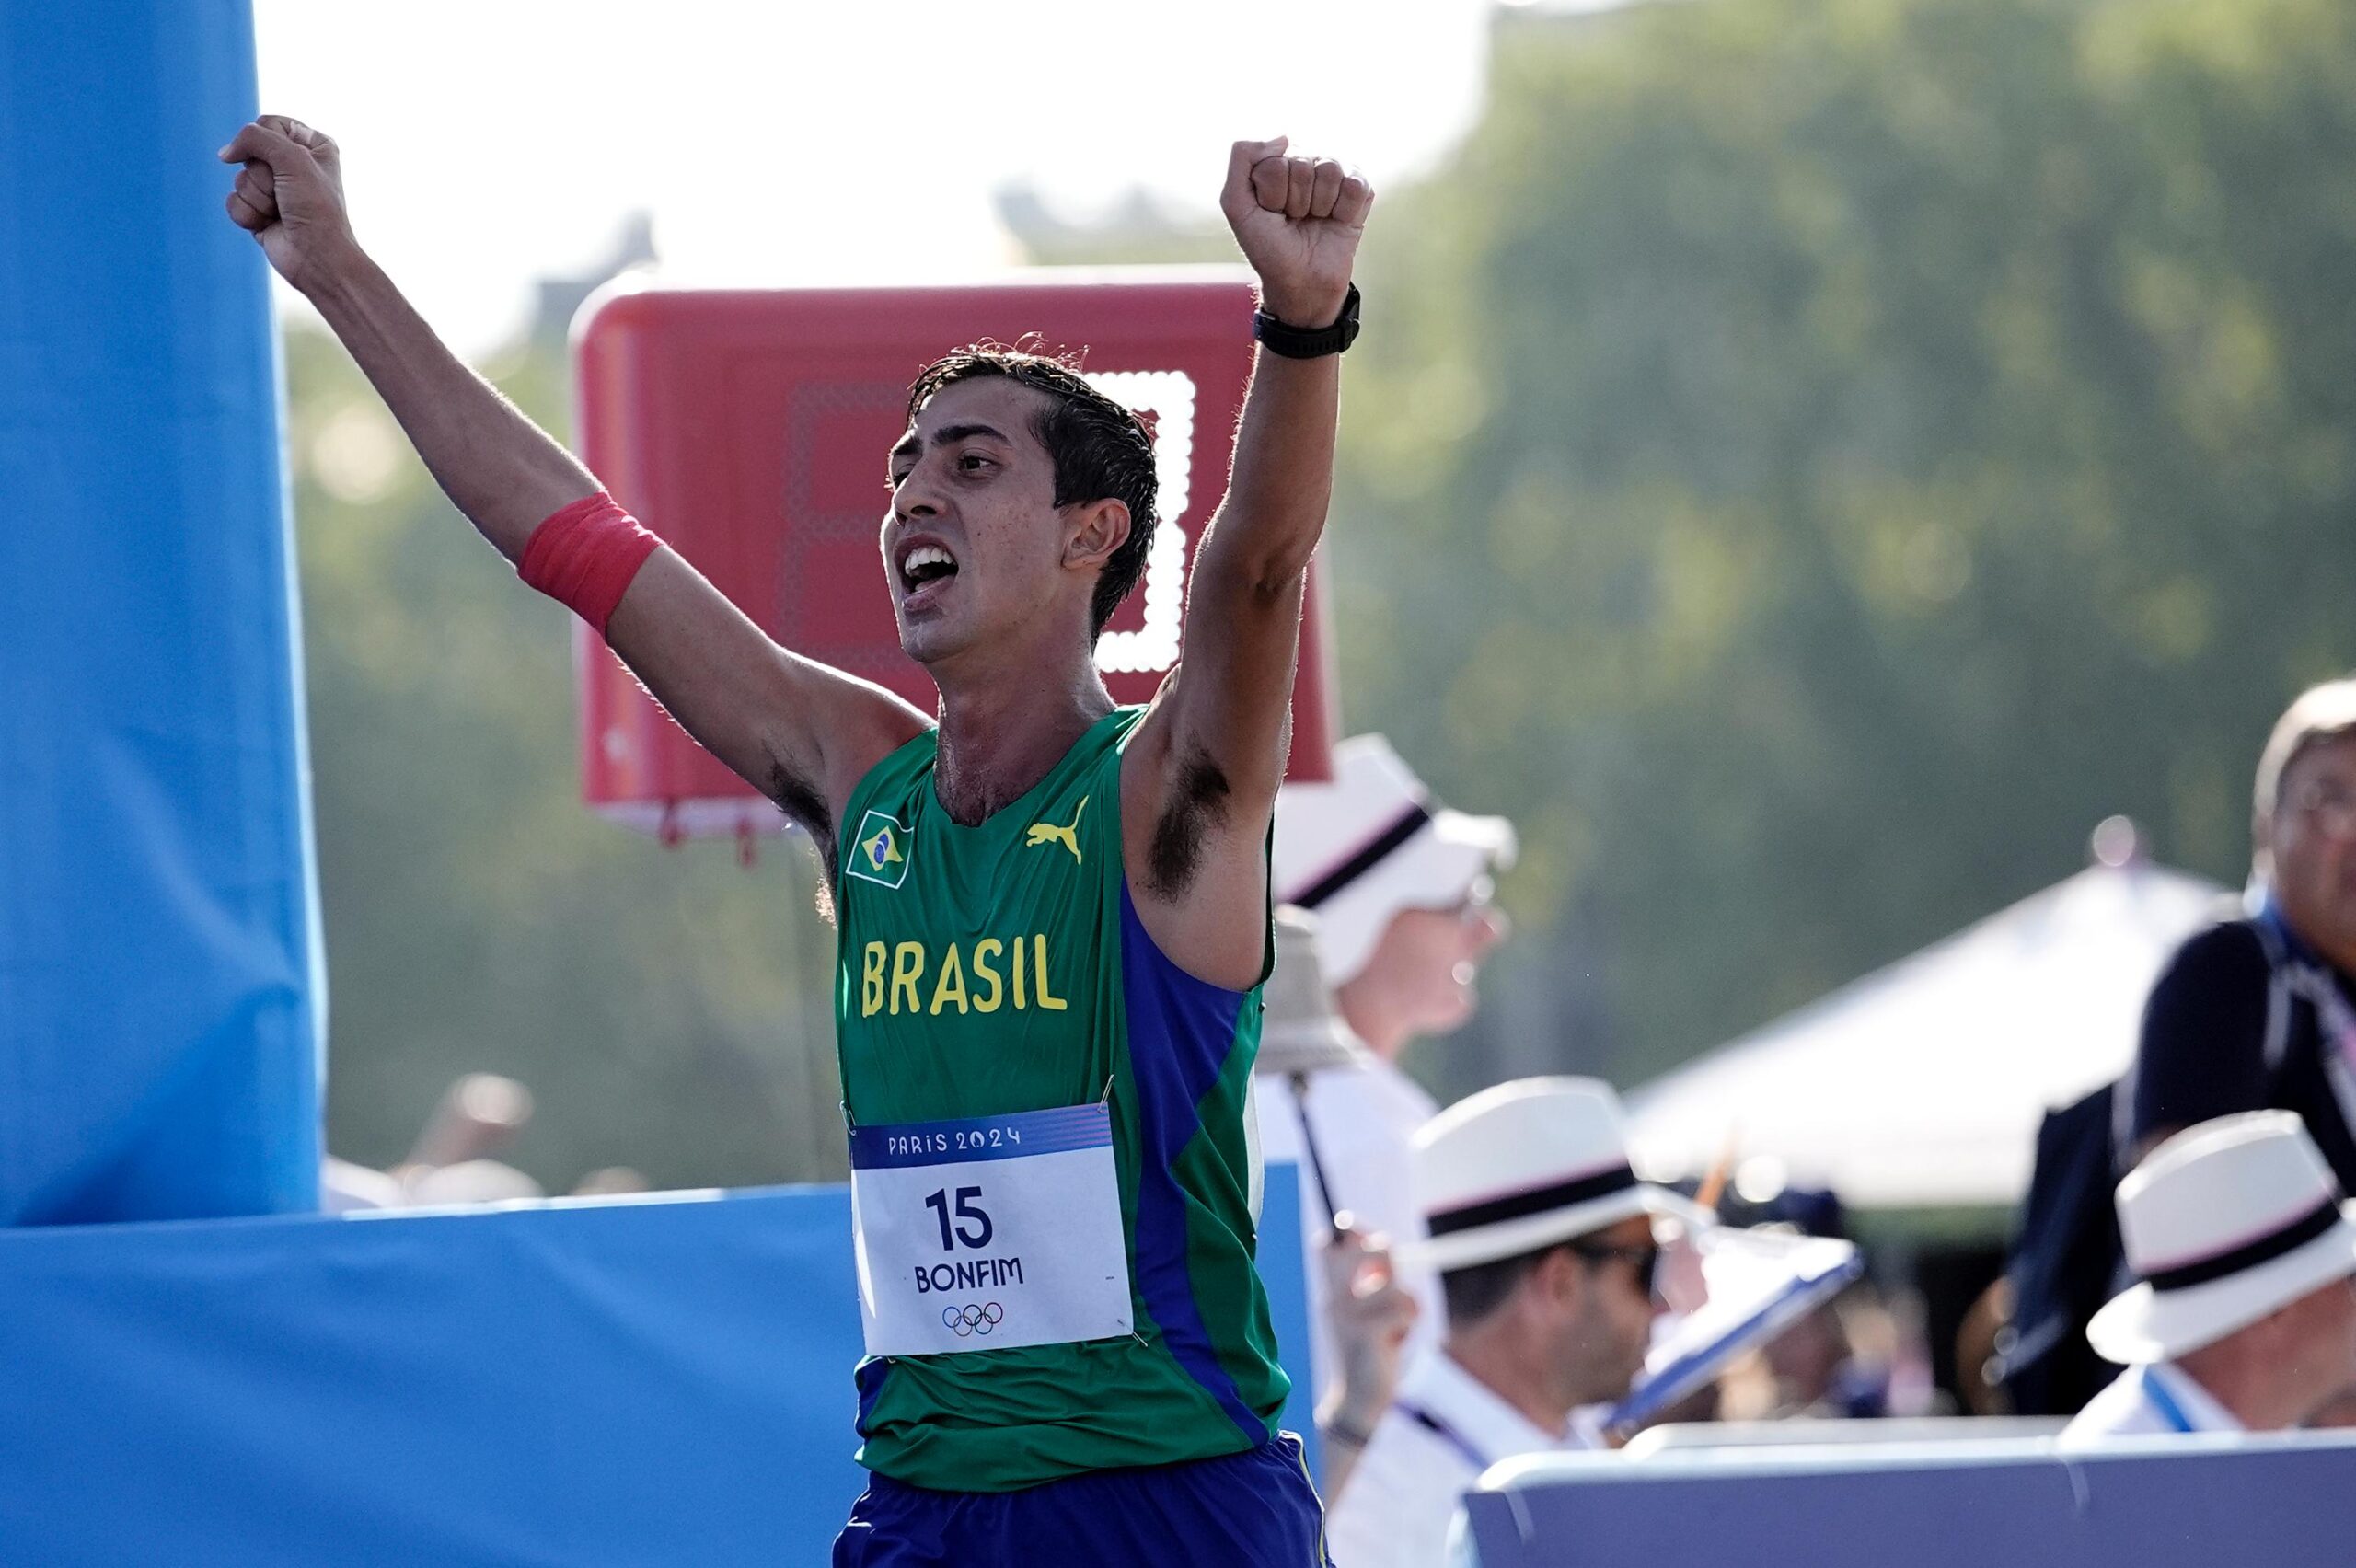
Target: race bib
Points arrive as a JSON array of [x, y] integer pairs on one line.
[[990, 1233]]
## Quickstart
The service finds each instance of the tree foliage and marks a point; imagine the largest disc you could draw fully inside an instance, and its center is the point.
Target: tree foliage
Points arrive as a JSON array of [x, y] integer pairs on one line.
[[1820, 456]]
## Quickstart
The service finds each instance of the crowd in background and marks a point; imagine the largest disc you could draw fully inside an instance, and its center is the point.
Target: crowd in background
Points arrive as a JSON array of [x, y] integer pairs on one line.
[[1495, 1273], [450, 1162]]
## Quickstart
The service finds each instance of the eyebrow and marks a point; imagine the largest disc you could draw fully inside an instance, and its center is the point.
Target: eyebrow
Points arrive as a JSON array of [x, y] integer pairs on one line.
[[912, 444]]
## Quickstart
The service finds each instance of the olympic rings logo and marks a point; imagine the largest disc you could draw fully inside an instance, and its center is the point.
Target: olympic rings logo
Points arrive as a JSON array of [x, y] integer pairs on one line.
[[970, 1319]]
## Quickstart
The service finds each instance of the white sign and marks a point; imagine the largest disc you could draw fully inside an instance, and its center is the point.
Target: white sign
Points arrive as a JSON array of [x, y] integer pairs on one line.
[[989, 1233]]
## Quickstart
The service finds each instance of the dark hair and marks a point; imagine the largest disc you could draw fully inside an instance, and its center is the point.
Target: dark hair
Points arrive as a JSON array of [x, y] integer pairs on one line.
[[1101, 450], [1473, 1293]]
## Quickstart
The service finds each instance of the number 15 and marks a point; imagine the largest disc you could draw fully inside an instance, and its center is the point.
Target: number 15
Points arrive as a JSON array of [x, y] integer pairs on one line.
[[979, 1235]]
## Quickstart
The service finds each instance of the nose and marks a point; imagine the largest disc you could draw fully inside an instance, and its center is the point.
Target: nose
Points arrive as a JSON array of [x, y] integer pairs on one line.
[[915, 495], [1491, 926]]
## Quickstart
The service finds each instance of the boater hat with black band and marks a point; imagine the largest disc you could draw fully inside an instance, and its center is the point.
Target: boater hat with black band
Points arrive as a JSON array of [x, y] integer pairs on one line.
[[1356, 851], [1525, 1165], [2224, 1223]]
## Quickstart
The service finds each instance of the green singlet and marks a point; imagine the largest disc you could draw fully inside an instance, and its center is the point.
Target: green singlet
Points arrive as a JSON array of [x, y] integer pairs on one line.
[[1002, 968]]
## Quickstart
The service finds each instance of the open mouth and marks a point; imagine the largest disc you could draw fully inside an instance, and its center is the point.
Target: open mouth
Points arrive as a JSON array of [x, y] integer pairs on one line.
[[923, 565]]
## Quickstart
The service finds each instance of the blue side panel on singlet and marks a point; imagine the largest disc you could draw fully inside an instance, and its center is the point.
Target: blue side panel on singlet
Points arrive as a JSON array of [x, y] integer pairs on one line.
[[1181, 1030]]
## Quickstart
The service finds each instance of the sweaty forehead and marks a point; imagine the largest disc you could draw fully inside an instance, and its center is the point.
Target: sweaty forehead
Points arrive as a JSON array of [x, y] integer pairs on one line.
[[1004, 406]]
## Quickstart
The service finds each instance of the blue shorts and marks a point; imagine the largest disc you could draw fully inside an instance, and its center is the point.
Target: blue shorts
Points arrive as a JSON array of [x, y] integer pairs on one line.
[[1254, 1509]]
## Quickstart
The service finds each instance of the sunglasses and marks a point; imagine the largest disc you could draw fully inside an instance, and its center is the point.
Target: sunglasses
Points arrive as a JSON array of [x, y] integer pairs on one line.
[[1646, 1259]]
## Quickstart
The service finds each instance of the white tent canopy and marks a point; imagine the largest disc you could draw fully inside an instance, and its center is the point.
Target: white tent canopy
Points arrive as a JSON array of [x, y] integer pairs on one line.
[[1922, 1084]]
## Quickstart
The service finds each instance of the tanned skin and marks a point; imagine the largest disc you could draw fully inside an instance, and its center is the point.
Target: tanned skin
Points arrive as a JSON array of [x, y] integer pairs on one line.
[[1008, 638]]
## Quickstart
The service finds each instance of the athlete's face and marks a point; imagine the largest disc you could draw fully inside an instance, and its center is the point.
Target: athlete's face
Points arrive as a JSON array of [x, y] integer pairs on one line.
[[2312, 843], [974, 547]]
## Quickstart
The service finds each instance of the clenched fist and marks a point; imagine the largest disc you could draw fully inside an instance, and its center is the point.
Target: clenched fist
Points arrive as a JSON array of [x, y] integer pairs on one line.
[[290, 196], [1298, 221]]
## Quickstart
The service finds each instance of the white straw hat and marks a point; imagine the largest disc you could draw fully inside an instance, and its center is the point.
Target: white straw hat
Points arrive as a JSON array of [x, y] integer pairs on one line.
[[1356, 851], [1525, 1165], [2224, 1223]]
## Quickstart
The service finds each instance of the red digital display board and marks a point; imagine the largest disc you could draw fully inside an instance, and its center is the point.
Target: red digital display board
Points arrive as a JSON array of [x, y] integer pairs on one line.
[[750, 428]]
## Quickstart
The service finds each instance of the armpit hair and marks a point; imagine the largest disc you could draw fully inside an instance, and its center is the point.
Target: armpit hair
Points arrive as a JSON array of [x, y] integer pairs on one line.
[[799, 799], [1197, 804]]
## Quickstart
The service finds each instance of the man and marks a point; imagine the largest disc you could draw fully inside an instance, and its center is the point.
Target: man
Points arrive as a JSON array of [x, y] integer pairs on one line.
[[1543, 1240], [1400, 887], [2254, 1013], [1052, 912], [2244, 1319]]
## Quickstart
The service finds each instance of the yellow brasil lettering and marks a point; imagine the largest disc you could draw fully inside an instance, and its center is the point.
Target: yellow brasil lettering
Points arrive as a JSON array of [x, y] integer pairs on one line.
[[889, 971], [984, 951], [951, 986], [1053, 1004], [907, 968]]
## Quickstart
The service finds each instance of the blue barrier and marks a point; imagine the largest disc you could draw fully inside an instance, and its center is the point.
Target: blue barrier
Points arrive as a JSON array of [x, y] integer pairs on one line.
[[2281, 1501], [589, 1382], [159, 960]]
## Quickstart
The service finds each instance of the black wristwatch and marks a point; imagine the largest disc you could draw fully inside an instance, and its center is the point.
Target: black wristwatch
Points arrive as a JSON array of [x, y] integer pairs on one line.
[[1308, 343]]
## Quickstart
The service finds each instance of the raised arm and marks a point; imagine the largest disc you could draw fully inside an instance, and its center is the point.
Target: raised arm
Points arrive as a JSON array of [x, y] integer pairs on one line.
[[801, 733], [1202, 780]]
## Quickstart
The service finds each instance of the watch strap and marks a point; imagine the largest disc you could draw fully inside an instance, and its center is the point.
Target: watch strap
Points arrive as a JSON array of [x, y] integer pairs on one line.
[[1308, 343]]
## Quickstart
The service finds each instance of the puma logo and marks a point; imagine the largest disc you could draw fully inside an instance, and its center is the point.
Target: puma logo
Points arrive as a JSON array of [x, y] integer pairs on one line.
[[1048, 833]]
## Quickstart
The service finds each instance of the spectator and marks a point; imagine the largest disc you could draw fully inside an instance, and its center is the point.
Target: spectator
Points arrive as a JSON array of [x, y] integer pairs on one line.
[[1835, 1361], [2245, 1318], [2254, 1013], [477, 1114], [450, 1162], [1399, 886], [1359, 1315], [1821, 1367], [470, 1182], [345, 1188], [1543, 1237], [612, 1181]]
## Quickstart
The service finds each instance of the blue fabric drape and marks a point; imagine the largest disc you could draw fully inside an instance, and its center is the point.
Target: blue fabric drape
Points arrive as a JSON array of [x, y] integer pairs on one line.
[[160, 987], [595, 1384]]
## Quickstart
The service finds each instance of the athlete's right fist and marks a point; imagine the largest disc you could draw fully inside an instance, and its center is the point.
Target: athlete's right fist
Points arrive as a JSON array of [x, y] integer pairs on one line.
[[289, 195]]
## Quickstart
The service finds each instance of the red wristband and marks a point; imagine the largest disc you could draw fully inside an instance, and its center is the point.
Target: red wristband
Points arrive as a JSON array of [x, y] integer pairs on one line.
[[585, 554]]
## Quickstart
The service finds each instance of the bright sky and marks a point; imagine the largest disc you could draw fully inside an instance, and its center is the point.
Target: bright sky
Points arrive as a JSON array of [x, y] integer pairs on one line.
[[491, 143]]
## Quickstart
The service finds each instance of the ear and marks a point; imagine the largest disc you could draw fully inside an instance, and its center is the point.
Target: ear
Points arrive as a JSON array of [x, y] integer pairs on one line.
[[1561, 1279], [1096, 530]]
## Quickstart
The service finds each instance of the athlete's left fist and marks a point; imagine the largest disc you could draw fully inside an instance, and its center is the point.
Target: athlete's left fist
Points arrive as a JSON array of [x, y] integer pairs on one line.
[[1298, 220]]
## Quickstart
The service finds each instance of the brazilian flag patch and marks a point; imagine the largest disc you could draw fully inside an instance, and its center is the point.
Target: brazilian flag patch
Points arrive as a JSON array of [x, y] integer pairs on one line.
[[880, 853]]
